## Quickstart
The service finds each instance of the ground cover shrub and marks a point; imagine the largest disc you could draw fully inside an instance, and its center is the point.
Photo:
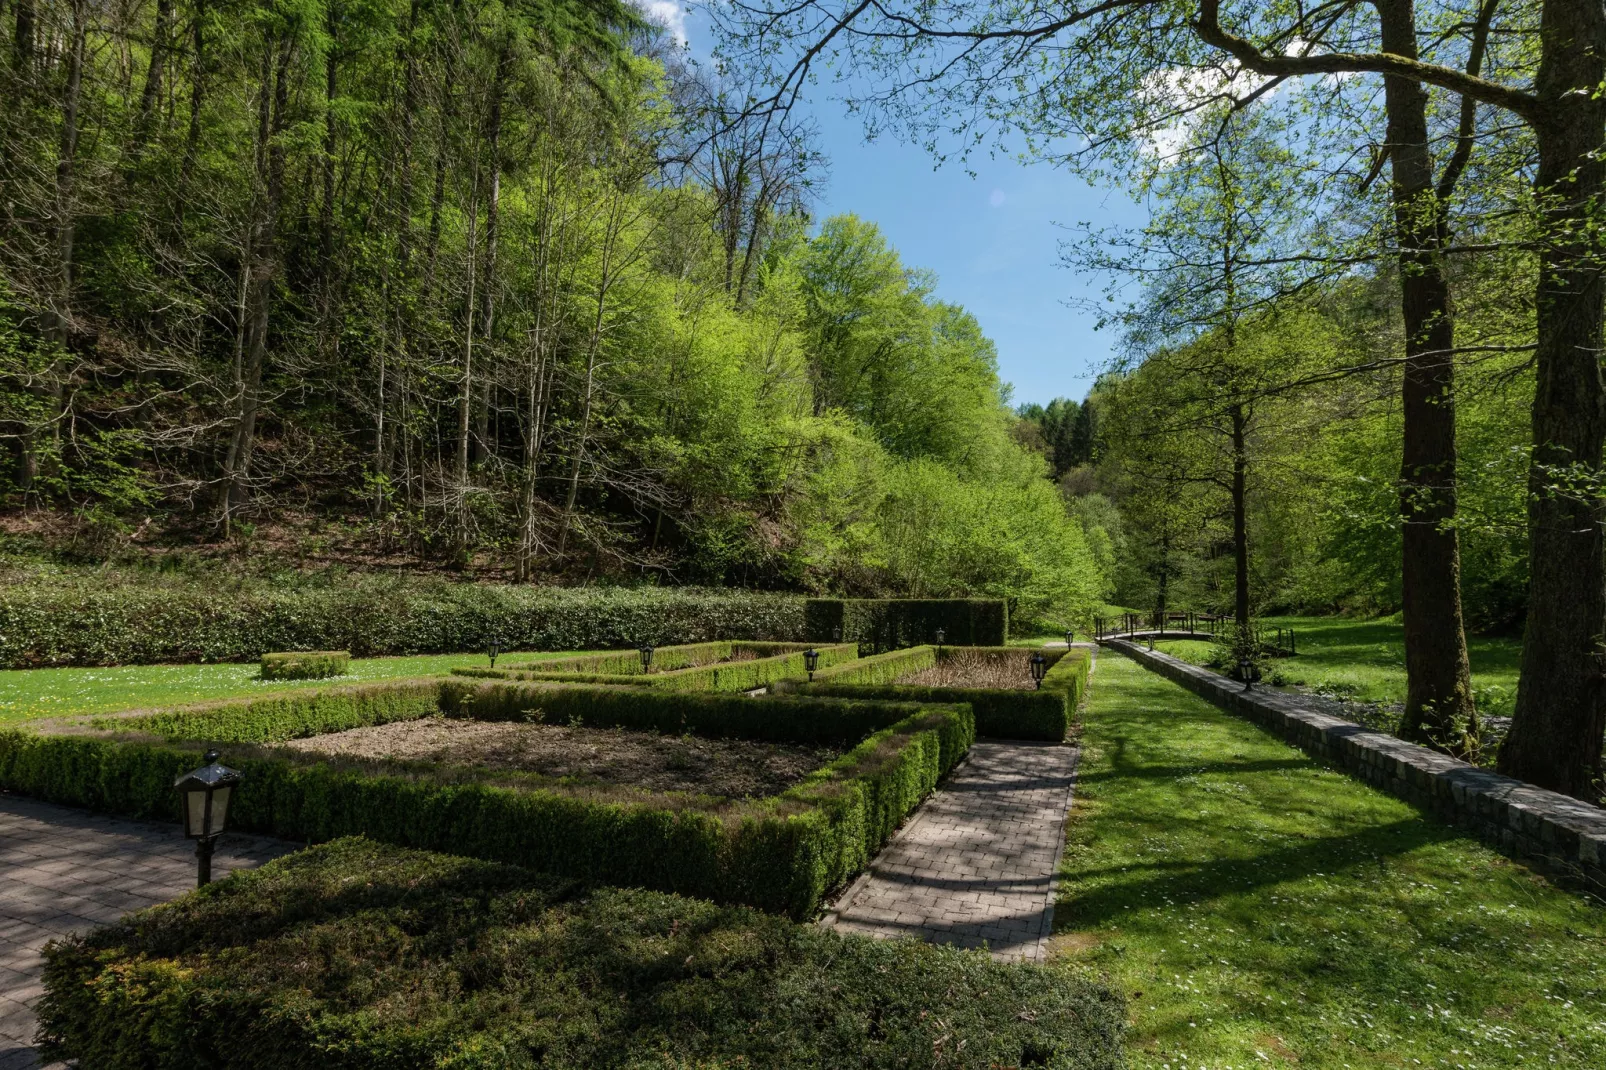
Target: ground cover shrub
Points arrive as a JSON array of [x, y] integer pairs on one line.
[[889, 623], [184, 619], [433, 961], [782, 853], [740, 675], [1263, 909], [1043, 714], [664, 658], [305, 664], [276, 718], [878, 668]]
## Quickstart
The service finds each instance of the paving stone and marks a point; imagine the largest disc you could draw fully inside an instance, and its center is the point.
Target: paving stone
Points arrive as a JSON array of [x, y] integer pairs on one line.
[[975, 864], [64, 871]]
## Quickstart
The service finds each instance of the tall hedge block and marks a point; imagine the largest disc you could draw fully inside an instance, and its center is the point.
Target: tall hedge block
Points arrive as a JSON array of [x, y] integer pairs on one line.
[[888, 623]]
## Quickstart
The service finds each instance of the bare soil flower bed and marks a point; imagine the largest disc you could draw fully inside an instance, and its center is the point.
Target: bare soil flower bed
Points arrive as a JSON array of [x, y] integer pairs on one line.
[[964, 669], [733, 768]]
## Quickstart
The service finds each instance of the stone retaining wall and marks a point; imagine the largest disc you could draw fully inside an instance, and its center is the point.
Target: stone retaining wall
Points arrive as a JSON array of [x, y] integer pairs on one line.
[[1559, 833]]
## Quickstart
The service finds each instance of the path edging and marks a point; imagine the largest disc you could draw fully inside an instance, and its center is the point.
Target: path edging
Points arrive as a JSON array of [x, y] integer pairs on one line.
[[1563, 835]]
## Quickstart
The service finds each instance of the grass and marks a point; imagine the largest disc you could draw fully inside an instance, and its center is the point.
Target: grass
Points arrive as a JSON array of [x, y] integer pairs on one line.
[[26, 694], [1260, 910], [1365, 660]]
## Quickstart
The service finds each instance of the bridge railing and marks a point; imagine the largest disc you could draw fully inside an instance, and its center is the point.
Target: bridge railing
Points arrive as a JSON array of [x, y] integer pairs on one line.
[[1278, 641]]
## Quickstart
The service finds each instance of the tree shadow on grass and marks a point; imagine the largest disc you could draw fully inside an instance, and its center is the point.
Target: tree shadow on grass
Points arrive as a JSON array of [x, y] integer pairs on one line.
[[1188, 881]]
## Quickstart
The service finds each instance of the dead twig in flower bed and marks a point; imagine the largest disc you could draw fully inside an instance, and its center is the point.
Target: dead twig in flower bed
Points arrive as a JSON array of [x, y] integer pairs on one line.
[[732, 768], [968, 668]]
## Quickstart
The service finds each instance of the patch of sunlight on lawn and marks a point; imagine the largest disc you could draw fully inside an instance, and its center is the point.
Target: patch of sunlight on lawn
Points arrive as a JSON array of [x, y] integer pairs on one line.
[[1260, 910]]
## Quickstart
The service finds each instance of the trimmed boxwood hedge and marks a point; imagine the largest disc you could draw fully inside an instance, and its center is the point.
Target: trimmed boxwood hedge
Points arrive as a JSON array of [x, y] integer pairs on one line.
[[888, 623], [719, 676], [101, 621], [664, 658], [305, 664], [781, 854], [1042, 714], [431, 961]]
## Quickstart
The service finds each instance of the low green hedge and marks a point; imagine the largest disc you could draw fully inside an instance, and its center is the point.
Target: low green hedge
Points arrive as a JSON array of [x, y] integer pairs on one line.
[[782, 854], [305, 664], [291, 715], [1042, 714], [880, 668], [664, 658], [889, 623], [721, 676], [102, 618], [359, 956]]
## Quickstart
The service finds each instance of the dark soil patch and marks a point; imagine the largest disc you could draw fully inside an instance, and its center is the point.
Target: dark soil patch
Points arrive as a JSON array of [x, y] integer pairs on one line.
[[733, 768]]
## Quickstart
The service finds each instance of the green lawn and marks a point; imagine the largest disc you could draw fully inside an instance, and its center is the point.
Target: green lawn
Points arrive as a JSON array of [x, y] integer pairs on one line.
[[1365, 659], [1259, 910], [29, 693]]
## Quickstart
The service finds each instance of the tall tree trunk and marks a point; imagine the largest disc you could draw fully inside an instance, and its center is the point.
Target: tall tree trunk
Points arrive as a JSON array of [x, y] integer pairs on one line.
[[1555, 738], [493, 207], [1438, 699], [160, 32], [1240, 515]]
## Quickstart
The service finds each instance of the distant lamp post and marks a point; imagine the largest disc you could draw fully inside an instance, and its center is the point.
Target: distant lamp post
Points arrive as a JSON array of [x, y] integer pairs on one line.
[[811, 661], [493, 649], [645, 649], [206, 794], [1070, 640], [1246, 669], [836, 634], [1039, 667], [941, 635]]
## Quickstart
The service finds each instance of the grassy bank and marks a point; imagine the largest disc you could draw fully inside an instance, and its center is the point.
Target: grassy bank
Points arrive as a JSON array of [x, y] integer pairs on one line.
[[1260, 910], [1365, 660], [26, 694]]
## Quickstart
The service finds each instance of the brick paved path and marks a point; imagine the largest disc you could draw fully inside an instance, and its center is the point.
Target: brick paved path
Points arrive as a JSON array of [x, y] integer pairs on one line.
[[64, 870], [975, 865]]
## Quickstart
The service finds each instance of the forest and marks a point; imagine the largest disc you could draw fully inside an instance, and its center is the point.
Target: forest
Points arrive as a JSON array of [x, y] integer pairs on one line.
[[522, 291], [512, 290]]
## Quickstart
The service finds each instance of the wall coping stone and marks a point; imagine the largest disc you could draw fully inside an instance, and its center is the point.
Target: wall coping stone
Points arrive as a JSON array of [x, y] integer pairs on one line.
[[1563, 835]]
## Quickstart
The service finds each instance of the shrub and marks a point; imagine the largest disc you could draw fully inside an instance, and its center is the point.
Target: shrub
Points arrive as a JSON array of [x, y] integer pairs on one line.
[[293, 715], [664, 658], [781, 854], [431, 961], [305, 665], [888, 623], [185, 620], [1002, 714], [719, 676], [880, 668]]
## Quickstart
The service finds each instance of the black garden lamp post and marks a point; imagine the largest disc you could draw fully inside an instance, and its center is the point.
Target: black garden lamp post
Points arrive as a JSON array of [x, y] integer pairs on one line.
[[493, 649], [206, 794], [1070, 638], [645, 649], [941, 635], [1246, 669], [811, 661], [836, 634], [1039, 667]]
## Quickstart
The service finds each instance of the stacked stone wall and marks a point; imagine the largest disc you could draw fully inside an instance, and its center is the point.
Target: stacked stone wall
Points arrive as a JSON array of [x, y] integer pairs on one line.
[[1563, 835]]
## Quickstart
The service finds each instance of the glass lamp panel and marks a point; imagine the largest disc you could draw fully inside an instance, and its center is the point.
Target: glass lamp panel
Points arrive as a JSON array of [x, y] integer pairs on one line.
[[195, 813], [220, 808]]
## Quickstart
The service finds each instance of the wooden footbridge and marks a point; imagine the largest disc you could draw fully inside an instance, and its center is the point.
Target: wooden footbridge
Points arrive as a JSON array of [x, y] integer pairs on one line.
[[1187, 624]]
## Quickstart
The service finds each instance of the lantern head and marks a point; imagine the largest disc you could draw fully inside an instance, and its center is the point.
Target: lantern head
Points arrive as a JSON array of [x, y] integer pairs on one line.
[[1039, 666], [206, 793], [645, 649]]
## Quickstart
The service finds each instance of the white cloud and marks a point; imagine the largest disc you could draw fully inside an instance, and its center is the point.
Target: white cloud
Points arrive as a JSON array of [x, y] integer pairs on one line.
[[668, 14], [996, 198]]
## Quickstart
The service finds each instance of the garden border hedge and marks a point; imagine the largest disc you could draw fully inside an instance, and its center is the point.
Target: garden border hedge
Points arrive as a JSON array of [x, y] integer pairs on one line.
[[719, 676], [664, 658], [1043, 714], [783, 853], [305, 664], [889, 623]]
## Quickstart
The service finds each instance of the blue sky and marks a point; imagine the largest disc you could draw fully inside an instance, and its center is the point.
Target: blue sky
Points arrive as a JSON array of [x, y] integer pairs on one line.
[[993, 240]]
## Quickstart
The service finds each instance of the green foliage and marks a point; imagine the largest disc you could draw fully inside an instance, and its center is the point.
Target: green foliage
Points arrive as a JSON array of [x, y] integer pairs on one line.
[[1043, 714], [441, 962], [881, 668], [900, 622], [305, 665], [175, 620], [720, 676], [781, 854]]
